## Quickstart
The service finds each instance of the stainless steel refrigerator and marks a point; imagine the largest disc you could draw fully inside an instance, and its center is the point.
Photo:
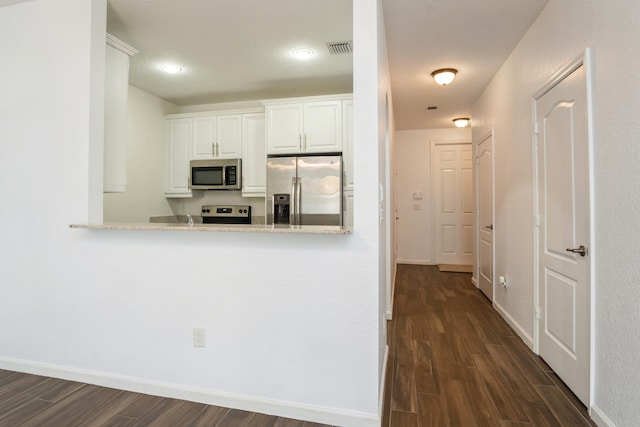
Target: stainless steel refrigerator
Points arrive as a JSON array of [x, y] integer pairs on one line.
[[304, 190]]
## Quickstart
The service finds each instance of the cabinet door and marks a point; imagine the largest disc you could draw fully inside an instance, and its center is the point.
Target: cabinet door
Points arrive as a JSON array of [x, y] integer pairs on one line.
[[204, 137], [254, 159], [179, 140], [347, 143], [284, 128], [322, 127], [228, 143]]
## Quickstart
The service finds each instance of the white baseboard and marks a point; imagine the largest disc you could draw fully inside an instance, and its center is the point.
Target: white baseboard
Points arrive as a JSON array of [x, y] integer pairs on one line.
[[600, 418], [475, 282], [319, 414], [528, 340], [415, 262]]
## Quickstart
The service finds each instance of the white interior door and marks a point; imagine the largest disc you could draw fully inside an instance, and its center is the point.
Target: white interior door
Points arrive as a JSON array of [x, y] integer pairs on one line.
[[564, 226], [453, 195], [484, 163]]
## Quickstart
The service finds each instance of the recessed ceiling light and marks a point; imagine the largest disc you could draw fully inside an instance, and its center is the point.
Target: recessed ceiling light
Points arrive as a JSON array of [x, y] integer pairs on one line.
[[171, 68], [302, 53]]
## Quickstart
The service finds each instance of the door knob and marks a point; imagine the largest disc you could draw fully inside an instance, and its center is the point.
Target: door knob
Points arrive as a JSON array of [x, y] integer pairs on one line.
[[489, 227], [581, 250]]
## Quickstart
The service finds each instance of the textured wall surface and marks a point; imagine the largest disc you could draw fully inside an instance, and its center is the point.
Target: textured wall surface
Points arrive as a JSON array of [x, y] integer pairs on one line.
[[560, 34], [292, 322], [413, 166]]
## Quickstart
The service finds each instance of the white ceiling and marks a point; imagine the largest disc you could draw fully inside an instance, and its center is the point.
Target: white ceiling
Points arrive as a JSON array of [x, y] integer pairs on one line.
[[473, 36], [239, 50]]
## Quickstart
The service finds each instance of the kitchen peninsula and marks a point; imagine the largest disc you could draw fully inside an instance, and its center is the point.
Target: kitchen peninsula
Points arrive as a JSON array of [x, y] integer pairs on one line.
[[163, 195], [250, 228]]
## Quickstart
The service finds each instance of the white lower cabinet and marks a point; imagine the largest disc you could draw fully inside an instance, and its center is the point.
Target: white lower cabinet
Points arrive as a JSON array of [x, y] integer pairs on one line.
[[179, 137], [254, 157]]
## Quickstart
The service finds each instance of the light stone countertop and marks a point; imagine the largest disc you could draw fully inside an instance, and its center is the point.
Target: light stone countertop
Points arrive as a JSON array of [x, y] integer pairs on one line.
[[245, 228]]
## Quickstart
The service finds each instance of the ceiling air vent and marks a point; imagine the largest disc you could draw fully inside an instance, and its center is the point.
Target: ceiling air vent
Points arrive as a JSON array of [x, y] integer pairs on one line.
[[338, 48]]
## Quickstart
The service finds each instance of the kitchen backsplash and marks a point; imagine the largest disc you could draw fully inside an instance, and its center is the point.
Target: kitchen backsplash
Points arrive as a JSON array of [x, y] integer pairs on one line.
[[193, 205]]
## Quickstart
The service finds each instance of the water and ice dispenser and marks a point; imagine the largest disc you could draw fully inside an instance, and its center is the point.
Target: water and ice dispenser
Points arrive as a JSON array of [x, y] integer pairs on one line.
[[281, 208]]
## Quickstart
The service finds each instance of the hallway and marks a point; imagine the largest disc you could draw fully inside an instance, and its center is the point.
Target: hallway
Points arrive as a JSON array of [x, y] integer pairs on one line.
[[453, 361]]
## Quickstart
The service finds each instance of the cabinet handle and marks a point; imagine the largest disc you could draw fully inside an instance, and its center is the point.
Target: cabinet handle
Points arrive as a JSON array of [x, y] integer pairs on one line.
[[304, 146], [213, 149], [217, 149], [300, 142]]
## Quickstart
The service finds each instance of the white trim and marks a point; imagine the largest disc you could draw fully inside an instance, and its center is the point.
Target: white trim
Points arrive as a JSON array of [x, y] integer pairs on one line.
[[4, 3], [383, 384], [118, 44], [389, 313], [593, 247], [584, 59], [319, 414], [600, 418], [522, 333], [415, 261], [474, 281], [336, 97], [248, 110]]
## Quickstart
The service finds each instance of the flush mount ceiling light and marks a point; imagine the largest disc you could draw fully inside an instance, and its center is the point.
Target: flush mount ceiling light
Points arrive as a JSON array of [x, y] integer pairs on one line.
[[444, 76], [302, 53], [171, 68], [461, 121]]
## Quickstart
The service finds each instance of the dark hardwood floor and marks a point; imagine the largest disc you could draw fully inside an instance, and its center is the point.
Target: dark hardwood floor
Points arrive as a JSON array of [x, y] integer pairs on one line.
[[31, 400], [455, 362]]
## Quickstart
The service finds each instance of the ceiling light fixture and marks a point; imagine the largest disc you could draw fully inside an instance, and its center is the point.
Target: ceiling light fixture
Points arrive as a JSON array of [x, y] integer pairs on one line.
[[302, 53], [461, 121], [444, 76], [171, 68]]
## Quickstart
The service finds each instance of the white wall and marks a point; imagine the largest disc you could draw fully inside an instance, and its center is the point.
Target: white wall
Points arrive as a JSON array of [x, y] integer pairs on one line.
[[118, 307], [413, 164], [146, 162], [560, 34]]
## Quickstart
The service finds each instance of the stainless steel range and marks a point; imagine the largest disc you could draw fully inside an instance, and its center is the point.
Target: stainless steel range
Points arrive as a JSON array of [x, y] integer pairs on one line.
[[226, 214]]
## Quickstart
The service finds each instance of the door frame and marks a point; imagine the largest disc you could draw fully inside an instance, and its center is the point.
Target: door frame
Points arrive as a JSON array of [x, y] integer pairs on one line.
[[475, 279], [433, 188], [584, 59]]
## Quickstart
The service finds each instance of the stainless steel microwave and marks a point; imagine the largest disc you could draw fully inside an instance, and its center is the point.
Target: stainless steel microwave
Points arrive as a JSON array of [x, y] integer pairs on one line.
[[216, 174]]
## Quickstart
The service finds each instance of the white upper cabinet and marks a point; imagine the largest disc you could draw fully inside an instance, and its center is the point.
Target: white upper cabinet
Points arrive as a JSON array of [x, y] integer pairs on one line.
[[204, 137], [254, 158], [217, 137], [229, 137], [305, 126], [179, 134], [115, 114], [284, 128], [322, 127]]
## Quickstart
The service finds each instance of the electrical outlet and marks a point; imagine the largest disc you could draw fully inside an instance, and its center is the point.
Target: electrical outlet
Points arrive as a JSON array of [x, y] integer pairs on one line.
[[198, 337], [503, 281]]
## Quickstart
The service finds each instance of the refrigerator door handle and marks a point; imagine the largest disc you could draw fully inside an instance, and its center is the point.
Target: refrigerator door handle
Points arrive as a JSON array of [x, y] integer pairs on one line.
[[293, 207], [299, 202]]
